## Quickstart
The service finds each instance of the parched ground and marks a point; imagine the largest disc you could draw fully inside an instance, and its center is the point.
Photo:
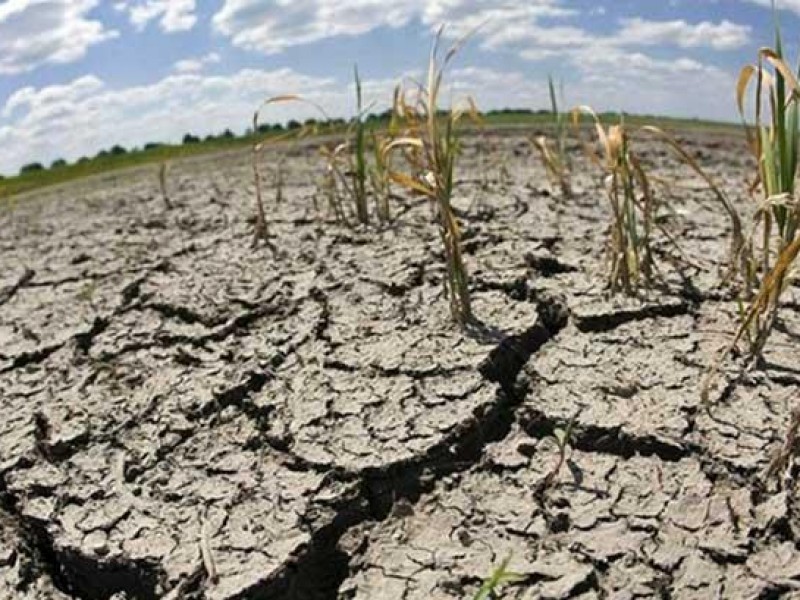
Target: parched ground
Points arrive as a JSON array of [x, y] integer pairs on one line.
[[184, 417]]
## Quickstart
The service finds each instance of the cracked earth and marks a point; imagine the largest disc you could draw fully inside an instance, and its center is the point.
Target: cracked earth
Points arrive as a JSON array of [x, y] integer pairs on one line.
[[184, 417]]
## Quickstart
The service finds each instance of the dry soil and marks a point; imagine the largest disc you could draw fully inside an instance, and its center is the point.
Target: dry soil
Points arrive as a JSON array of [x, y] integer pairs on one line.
[[184, 417]]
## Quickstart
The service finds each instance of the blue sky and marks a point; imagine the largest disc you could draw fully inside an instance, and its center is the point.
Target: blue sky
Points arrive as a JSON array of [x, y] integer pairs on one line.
[[77, 76]]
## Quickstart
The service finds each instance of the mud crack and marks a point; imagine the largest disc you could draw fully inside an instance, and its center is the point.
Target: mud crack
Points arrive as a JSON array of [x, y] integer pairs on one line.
[[383, 491], [600, 322], [8, 292]]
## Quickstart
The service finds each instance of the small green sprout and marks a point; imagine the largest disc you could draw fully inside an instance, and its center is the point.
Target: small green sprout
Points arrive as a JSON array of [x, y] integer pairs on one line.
[[563, 439], [87, 292], [500, 577]]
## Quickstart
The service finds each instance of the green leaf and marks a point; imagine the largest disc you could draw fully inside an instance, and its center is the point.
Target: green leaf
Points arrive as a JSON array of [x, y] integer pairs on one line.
[[499, 577]]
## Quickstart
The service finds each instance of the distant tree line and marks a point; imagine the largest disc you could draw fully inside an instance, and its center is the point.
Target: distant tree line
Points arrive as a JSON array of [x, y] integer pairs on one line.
[[228, 135], [118, 150]]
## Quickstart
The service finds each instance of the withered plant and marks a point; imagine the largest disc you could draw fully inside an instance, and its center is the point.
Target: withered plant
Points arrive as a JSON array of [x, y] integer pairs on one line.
[[261, 232], [336, 183], [635, 209], [379, 178], [554, 156], [738, 257], [359, 167], [430, 148], [783, 457], [348, 172], [775, 143], [774, 139], [632, 206], [163, 169]]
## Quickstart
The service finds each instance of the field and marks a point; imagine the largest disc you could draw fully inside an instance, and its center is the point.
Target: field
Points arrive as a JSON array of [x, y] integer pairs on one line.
[[109, 163], [187, 417]]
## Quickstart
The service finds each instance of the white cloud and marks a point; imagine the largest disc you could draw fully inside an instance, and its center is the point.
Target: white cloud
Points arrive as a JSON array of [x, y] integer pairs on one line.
[[535, 30], [195, 65], [613, 71], [274, 26], [720, 36], [522, 29], [173, 15], [38, 32], [86, 115], [50, 99], [632, 83], [792, 5]]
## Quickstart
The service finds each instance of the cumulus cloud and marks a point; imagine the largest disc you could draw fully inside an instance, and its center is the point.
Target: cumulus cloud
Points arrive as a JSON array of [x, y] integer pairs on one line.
[[720, 36], [195, 65], [38, 32], [522, 28], [272, 27], [50, 99], [535, 30], [86, 115], [172, 15]]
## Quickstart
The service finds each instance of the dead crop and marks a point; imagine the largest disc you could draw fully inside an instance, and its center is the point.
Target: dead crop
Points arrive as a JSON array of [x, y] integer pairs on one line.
[[494, 173], [348, 171], [430, 148], [379, 171], [359, 167], [335, 184], [781, 465], [379, 179], [279, 182], [635, 207], [775, 142], [738, 255], [163, 169], [554, 156], [261, 232], [632, 204]]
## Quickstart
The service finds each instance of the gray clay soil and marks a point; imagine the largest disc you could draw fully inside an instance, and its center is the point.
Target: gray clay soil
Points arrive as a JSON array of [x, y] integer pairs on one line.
[[183, 417]]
